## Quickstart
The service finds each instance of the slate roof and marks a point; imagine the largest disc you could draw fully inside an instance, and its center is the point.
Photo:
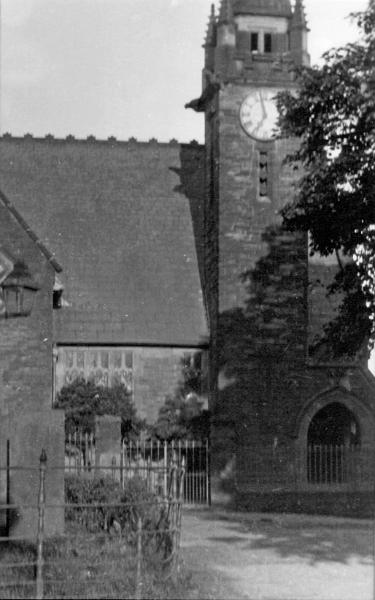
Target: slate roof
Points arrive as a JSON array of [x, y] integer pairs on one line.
[[118, 218], [21, 221]]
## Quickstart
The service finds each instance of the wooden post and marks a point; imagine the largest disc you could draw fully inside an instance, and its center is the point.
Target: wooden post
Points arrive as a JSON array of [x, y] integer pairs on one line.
[[40, 538], [138, 575]]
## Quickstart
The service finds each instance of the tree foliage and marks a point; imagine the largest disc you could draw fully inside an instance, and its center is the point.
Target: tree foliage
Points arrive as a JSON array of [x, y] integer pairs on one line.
[[83, 400], [183, 415], [333, 115]]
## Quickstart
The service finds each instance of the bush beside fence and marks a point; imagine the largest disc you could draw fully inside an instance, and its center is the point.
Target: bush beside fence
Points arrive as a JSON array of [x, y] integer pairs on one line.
[[120, 540], [147, 460]]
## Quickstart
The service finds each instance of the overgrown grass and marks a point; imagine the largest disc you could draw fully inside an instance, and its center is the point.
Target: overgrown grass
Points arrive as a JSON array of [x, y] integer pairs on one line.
[[93, 559], [94, 566]]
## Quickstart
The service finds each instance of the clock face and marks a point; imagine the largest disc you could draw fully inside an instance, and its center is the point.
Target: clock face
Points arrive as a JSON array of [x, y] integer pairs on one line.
[[258, 113]]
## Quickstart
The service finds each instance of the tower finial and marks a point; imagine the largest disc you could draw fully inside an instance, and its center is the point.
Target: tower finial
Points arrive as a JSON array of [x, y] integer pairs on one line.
[[226, 12], [299, 16], [298, 35], [211, 28]]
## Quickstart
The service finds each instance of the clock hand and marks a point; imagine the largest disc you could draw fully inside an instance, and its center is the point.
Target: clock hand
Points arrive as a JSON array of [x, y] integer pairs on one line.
[[263, 120], [263, 107]]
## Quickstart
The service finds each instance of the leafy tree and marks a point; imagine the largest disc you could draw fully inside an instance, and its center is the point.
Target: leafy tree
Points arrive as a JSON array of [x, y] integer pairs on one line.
[[83, 400], [182, 418], [333, 115], [183, 415]]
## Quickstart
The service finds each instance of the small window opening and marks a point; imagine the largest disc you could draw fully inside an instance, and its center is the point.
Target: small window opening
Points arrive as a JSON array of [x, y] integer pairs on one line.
[[57, 298], [263, 176], [58, 289], [267, 43], [254, 41]]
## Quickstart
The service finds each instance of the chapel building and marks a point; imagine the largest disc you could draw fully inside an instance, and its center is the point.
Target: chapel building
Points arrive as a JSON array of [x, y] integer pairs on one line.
[[174, 252]]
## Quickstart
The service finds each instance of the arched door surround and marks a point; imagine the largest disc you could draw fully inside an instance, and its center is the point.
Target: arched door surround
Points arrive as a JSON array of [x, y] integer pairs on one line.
[[332, 429]]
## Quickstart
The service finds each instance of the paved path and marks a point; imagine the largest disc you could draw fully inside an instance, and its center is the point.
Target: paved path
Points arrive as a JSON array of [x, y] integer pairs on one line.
[[278, 557]]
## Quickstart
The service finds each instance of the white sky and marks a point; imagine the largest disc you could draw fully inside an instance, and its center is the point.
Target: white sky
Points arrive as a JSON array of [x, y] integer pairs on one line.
[[119, 67]]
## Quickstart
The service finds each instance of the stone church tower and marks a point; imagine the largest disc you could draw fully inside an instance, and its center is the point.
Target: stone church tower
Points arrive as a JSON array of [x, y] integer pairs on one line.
[[266, 389]]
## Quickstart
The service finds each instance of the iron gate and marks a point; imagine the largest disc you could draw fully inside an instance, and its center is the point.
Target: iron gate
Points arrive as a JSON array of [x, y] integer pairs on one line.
[[149, 460]]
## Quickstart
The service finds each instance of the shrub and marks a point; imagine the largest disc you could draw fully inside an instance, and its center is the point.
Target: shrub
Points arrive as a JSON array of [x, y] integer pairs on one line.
[[82, 400], [128, 505], [81, 491], [139, 502], [183, 415], [182, 418]]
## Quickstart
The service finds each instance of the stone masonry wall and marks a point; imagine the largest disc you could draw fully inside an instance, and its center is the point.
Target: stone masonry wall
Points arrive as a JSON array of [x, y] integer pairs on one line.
[[157, 375], [27, 418], [244, 215], [264, 381], [262, 275]]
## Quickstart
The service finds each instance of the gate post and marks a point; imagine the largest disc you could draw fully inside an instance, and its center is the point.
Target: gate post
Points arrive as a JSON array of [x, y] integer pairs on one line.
[[40, 539], [107, 444], [208, 474]]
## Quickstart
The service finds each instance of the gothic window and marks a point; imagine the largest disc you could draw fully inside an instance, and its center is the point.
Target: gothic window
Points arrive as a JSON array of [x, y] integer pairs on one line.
[[80, 359], [129, 360], [93, 360], [261, 42], [267, 43], [117, 359], [102, 365], [104, 356], [254, 41], [69, 359]]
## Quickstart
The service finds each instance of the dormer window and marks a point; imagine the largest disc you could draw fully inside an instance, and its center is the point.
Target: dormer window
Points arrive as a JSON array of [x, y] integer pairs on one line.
[[267, 43], [254, 42]]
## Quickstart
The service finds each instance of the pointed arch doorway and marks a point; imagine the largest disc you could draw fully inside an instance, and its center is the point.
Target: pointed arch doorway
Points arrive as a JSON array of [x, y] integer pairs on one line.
[[333, 441], [334, 436]]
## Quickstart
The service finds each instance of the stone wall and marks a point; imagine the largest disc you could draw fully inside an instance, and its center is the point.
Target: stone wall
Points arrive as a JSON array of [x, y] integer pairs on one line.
[[27, 419], [262, 464], [267, 314]]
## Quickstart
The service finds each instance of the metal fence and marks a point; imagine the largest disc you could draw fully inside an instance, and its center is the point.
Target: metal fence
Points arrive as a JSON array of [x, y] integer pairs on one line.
[[80, 453], [149, 460], [308, 469], [333, 464], [153, 457], [109, 549]]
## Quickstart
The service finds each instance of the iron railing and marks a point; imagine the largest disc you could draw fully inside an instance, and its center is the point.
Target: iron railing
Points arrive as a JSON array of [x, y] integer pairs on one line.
[[333, 464], [149, 460], [91, 557]]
